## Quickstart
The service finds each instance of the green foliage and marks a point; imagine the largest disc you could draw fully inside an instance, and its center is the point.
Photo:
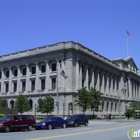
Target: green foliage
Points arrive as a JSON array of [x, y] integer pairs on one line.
[[3, 103], [134, 106], [45, 105], [87, 99], [2, 115], [95, 95], [22, 104], [83, 99], [128, 113]]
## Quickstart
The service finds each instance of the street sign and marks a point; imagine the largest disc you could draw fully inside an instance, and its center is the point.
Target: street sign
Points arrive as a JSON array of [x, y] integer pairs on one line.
[[57, 103]]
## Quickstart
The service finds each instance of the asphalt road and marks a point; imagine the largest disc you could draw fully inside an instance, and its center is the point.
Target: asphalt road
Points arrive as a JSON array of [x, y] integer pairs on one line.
[[97, 130]]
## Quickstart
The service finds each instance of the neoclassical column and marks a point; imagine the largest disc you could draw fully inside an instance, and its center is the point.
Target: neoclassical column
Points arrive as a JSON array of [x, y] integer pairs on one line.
[[2, 81], [111, 84], [86, 76], [77, 75], [138, 90], [97, 79], [107, 84], [18, 80], [102, 82], [37, 81], [10, 80], [48, 86], [130, 87], [92, 78], [113, 108], [80, 75], [105, 106], [27, 78], [109, 106]]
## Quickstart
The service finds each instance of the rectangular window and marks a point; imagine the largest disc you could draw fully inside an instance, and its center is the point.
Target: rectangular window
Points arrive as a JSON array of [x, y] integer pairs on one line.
[[53, 83], [23, 85], [83, 83], [0, 74], [7, 73], [82, 68], [33, 70], [89, 82], [42, 84], [15, 72], [0, 87], [54, 67], [43, 68], [24, 71], [88, 71], [32, 85], [15, 86], [6, 87]]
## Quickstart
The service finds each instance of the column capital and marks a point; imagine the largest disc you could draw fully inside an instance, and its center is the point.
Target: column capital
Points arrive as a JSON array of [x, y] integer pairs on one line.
[[26, 65], [36, 63], [46, 61]]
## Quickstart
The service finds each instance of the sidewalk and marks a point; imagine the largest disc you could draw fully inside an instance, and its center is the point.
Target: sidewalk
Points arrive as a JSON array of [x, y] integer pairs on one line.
[[114, 120]]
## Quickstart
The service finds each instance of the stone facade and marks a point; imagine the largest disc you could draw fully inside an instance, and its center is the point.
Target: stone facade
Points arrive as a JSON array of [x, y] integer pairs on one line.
[[34, 73]]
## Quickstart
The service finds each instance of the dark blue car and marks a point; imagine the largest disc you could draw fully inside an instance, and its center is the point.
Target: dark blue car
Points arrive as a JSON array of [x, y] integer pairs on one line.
[[50, 123]]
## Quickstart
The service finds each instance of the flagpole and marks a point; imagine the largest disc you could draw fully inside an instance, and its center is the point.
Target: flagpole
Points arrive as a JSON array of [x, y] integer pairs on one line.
[[127, 34], [127, 45]]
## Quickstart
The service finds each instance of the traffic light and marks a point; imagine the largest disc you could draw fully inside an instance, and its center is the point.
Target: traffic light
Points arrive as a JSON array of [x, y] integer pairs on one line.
[[70, 105]]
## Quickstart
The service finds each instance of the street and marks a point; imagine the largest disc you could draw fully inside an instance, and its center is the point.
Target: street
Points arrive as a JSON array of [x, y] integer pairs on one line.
[[97, 130]]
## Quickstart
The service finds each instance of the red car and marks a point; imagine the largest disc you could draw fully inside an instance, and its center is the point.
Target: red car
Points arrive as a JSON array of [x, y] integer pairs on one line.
[[17, 122]]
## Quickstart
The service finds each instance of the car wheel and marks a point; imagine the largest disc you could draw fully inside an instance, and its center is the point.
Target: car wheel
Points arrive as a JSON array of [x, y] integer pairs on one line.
[[7, 129], [30, 128], [75, 124], [86, 124], [64, 125], [49, 126]]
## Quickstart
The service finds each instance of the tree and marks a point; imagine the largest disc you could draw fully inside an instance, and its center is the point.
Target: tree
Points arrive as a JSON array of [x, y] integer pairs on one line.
[[83, 99], [3, 103], [45, 105], [128, 112], [95, 102], [22, 104]]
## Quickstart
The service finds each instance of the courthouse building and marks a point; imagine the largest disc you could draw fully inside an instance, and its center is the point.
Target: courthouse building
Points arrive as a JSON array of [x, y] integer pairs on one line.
[[34, 73]]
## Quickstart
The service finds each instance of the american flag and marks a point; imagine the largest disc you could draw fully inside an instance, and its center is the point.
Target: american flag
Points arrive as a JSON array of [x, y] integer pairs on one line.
[[63, 74], [128, 33]]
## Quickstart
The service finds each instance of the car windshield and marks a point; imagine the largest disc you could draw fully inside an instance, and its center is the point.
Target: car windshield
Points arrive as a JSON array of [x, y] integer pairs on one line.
[[6, 118], [72, 117], [46, 120]]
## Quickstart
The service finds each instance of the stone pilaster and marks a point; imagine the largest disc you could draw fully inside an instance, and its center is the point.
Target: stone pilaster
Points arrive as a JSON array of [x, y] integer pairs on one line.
[[27, 78]]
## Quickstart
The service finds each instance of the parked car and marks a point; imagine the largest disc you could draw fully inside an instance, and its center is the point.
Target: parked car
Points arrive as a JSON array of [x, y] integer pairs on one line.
[[17, 122], [78, 119], [50, 123]]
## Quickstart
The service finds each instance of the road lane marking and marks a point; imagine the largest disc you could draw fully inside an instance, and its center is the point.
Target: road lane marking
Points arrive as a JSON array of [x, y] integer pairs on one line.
[[81, 133], [81, 129]]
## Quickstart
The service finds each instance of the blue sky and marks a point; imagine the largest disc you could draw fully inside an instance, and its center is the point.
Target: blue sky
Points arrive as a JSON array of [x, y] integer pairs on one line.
[[99, 25]]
